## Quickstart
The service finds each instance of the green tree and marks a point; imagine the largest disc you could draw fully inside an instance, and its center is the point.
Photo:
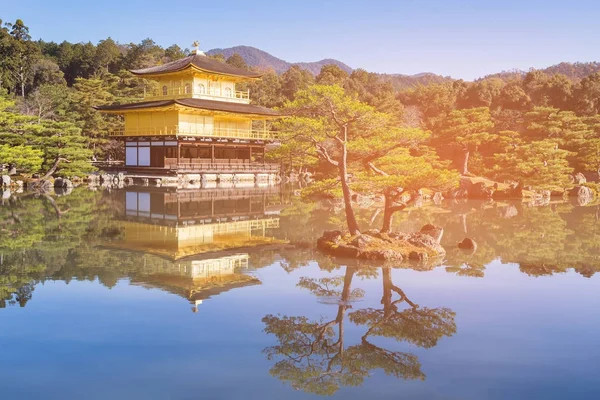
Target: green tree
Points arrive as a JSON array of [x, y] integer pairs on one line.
[[331, 74], [294, 80], [25, 158], [467, 129], [237, 61], [328, 119], [539, 164], [18, 55], [107, 55]]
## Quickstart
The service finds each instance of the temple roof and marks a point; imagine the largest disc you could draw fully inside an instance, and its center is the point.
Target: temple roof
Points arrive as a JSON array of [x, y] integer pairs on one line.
[[196, 289], [201, 62], [212, 105]]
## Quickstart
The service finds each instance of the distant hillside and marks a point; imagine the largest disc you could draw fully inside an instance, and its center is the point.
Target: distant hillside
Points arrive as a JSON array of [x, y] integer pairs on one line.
[[574, 71], [401, 81], [258, 58]]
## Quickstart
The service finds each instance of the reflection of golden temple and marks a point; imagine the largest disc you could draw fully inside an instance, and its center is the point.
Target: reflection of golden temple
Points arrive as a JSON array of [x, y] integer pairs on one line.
[[178, 224], [198, 235], [198, 280]]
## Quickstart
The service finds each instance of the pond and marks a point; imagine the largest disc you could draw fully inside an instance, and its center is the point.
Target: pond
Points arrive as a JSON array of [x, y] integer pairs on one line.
[[170, 294]]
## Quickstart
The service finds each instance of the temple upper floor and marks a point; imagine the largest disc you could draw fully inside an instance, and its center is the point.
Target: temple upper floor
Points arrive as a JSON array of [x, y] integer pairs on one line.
[[199, 77], [197, 86]]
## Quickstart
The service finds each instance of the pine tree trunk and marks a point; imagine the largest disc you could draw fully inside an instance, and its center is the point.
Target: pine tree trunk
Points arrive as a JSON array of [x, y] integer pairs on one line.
[[386, 299], [54, 167], [350, 218], [465, 166], [387, 213]]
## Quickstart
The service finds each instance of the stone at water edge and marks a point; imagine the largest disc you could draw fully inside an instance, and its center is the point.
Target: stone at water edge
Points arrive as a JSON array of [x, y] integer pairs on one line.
[[63, 183], [5, 180], [579, 179], [435, 232], [581, 191], [413, 255], [467, 244]]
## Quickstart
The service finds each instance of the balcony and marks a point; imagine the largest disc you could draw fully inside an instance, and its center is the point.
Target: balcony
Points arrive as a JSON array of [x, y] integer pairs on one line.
[[180, 92], [177, 131]]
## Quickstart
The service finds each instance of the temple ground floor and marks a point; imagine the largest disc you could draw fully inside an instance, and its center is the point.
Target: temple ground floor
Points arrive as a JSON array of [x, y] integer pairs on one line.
[[196, 161]]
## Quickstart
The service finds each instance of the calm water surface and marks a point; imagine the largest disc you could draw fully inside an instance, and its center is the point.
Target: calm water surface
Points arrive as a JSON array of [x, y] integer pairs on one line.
[[159, 294]]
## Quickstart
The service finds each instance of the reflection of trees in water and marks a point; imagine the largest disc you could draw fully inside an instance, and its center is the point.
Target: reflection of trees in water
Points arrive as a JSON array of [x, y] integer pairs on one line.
[[38, 235], [37, 242], [314, 357]]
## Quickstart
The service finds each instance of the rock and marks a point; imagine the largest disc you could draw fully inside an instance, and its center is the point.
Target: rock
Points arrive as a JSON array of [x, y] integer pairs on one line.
[[514, 191], [106, 179], [413, 255], [344, 250], [383, 255], [582, 192], [479, 190], [467, 244], [379, 246], [361, 241], [579, 179], [5, 181], [332, 236], [545, 194], [12, 170], [437, 198], [63, 191], [63, 183], [19, 184], [426, 242], [508, 212], [435, 232]]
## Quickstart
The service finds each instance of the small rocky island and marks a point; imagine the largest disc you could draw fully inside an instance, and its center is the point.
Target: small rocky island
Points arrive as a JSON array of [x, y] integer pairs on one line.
[[376, 245]]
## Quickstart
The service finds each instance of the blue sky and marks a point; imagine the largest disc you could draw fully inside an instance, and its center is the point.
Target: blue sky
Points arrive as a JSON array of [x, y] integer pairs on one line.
[[464, 39]]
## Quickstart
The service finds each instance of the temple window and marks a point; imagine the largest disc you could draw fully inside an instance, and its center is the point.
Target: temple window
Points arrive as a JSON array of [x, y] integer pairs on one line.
[[187, 88], [201, 89], [228, 92], [165, 90]]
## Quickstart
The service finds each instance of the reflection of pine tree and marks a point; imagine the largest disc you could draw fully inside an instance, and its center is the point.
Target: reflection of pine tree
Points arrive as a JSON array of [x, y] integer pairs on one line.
[[313, 356]]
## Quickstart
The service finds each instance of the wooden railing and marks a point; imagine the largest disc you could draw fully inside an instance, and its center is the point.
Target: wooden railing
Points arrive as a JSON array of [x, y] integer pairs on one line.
[[209, 94], [197, 131], [220, 166]]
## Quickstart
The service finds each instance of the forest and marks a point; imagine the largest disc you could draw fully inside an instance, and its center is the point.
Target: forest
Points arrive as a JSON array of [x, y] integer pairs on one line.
[[534, 130]]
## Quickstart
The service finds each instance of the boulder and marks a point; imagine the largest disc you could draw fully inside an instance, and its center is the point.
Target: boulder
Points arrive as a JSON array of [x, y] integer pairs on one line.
[[582, 192], [63, 183], [479, 190], [382, 255], [5, 181], [434, 231], [361, 241], [467, 244], [106, 179], [426, 242], [514, 191], [12, 170], [418, 256], [545, 194], [437, 198], [332, 236], [508, 212], [579, 179]]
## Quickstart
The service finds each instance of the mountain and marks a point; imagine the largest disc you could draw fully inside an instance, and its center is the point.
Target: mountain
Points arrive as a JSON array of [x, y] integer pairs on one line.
[[261, 59], [574, 71]]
